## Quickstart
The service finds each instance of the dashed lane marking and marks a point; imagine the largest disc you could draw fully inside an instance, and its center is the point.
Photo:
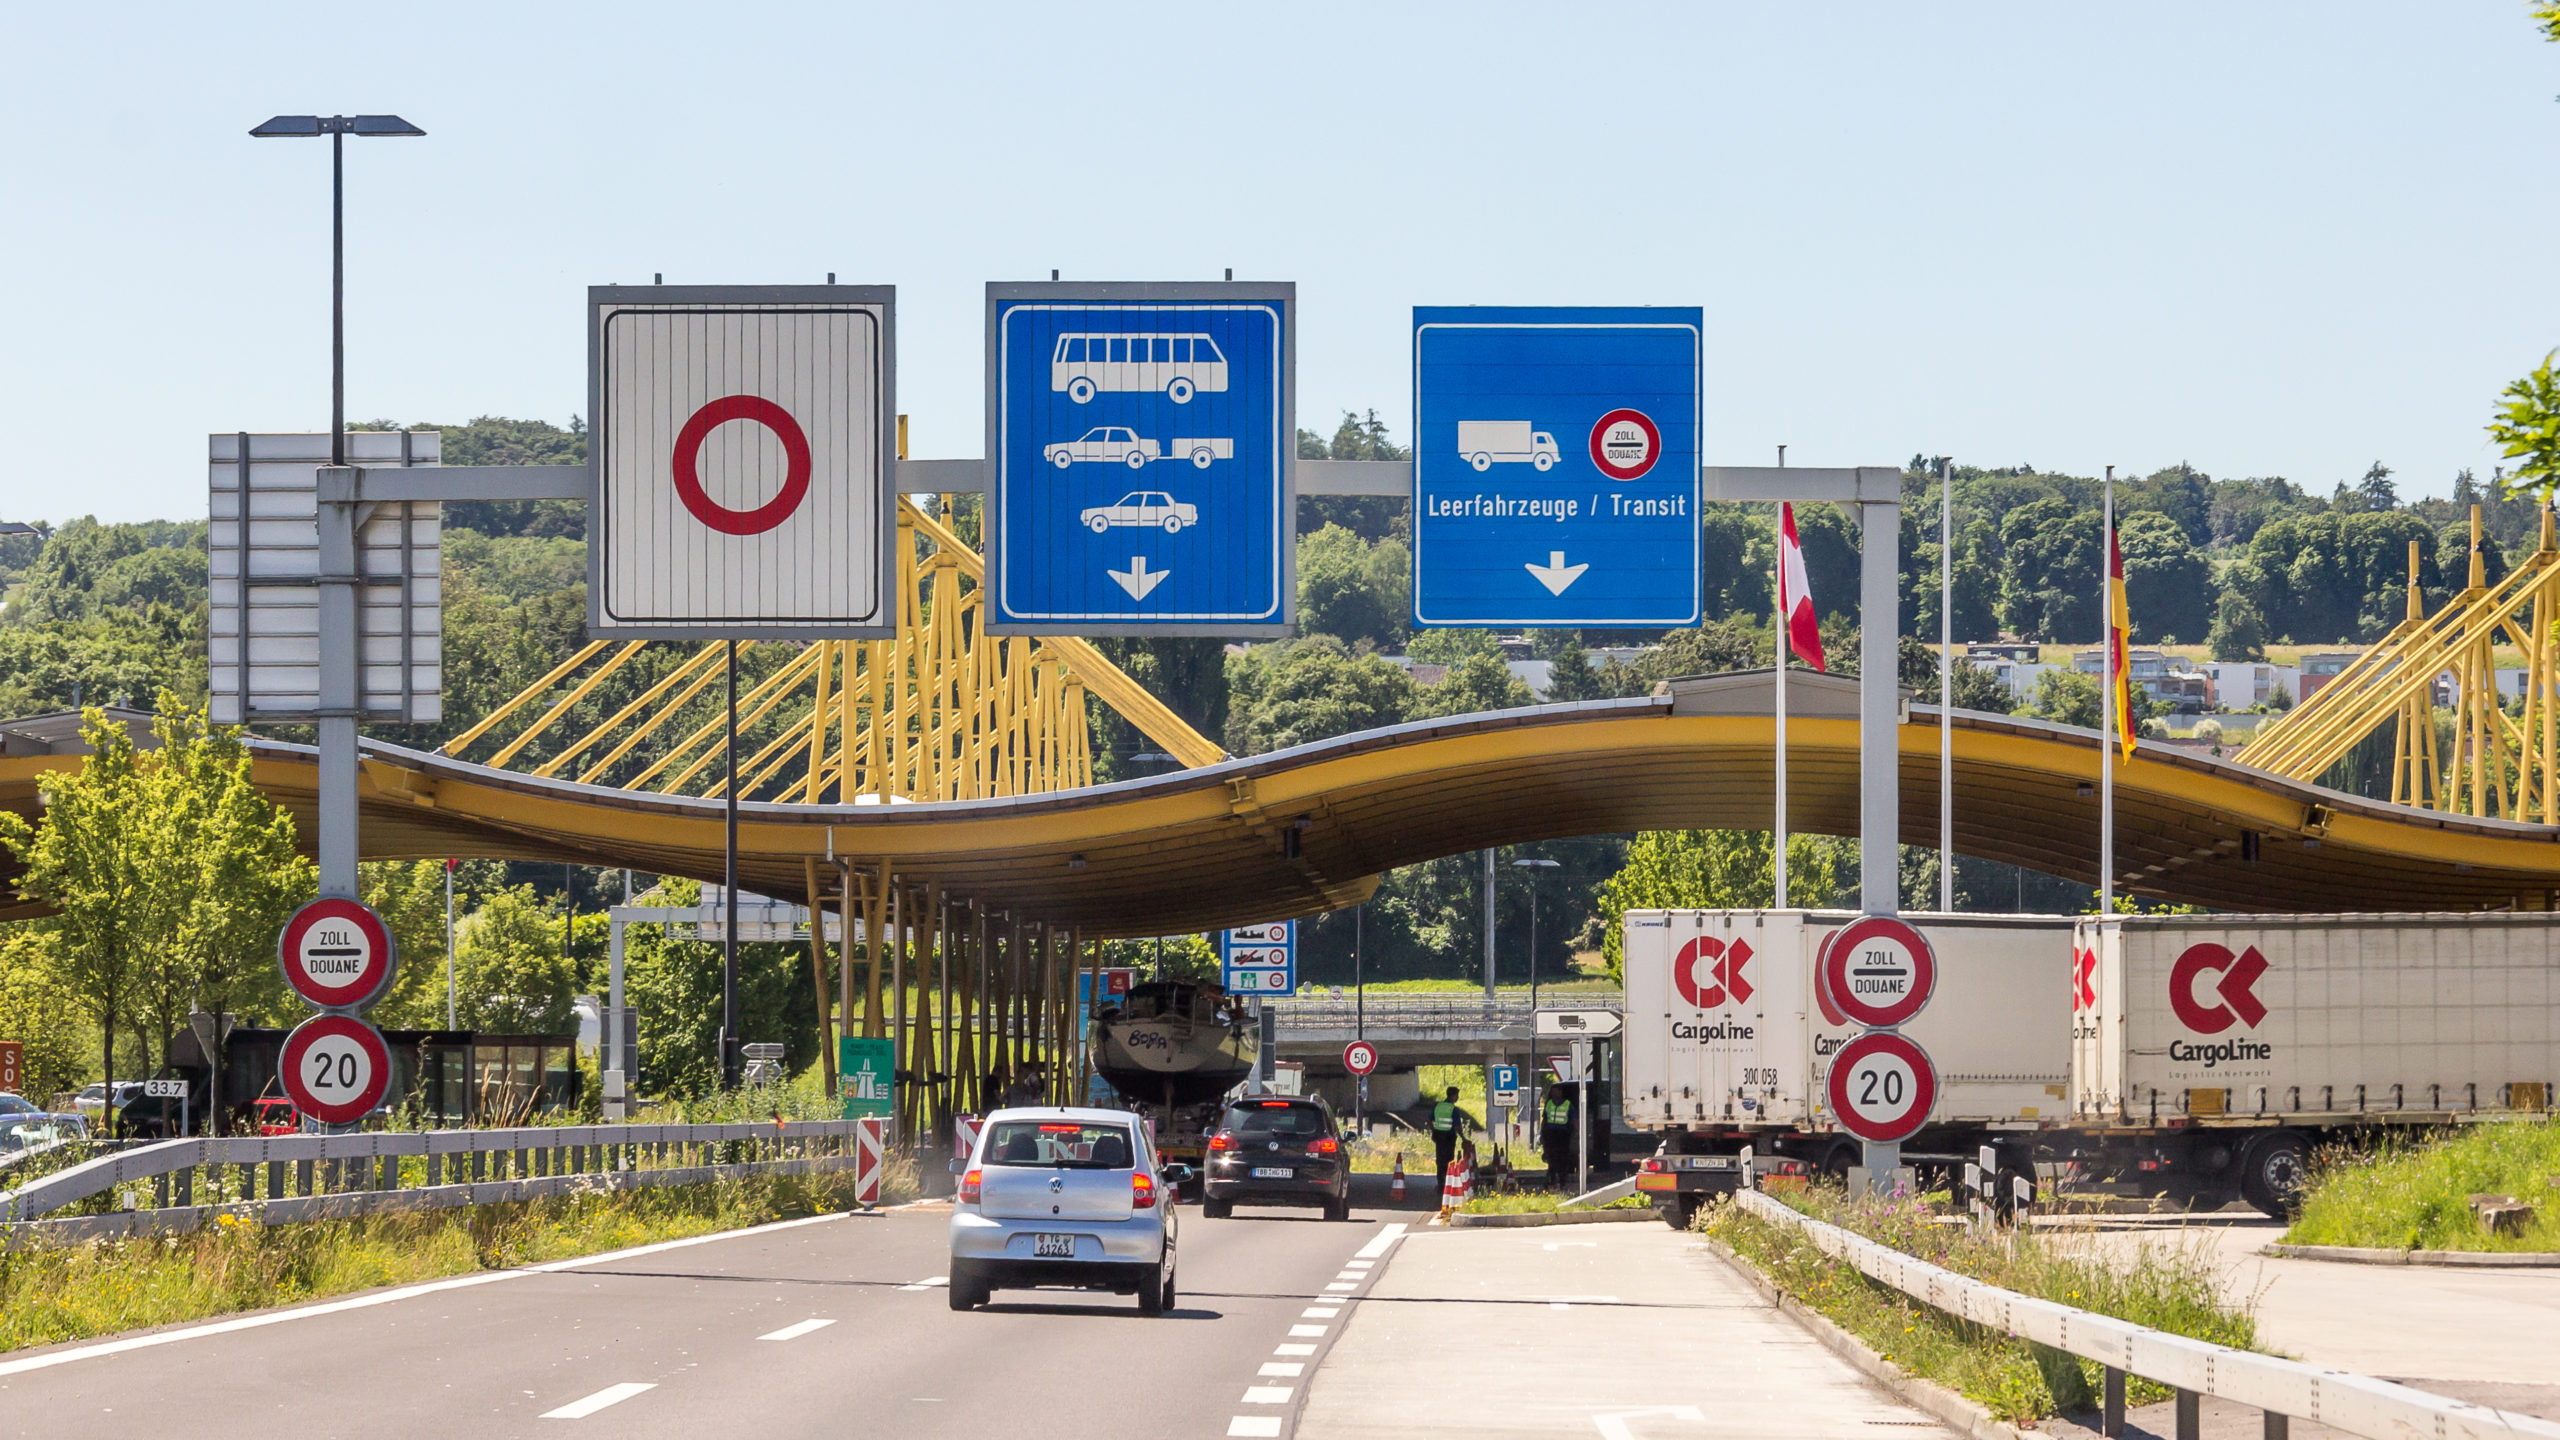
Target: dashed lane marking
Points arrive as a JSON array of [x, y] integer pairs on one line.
[[1283, 1369], [1321, 1312], [1378, 1244], [1267, 1394], [1293, 1349], [794, 1332], [1339, 1285], [609, 1395], [1308, 1331], [930, 1282], [1254, 1425]]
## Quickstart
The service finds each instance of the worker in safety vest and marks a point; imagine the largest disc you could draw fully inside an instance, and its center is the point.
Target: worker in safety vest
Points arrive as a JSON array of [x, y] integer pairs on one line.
[[1555, 1133], [1449, 1125]]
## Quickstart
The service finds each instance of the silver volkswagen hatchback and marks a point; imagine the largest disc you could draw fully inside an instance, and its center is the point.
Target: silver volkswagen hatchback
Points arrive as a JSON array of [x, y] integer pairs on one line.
[[1067, 1197]]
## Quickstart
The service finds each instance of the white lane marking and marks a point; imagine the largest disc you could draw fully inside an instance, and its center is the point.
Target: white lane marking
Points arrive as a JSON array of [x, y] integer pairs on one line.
[[1254, 1425], [1266, 1395], [1358, 1264], [1567, 1302], [1306, 1330], [1386, 1237], [794, 1332], [1283, 1369], [1293, 1349], [1354, 1276], [363, 1302], [1572, 1245], [1614, 1426], [928, 1283], [1321, 1312], [1341, 1285], [609, 1395]]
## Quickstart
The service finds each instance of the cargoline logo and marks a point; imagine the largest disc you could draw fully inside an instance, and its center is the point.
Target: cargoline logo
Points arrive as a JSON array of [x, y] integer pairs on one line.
[[2084, 979], [2233, 998], [1724, 980]]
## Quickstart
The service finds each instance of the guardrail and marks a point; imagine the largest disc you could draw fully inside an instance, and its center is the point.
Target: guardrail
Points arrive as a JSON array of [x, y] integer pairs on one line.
[[283, 1179], [2338, 1399], [1431, 1010]]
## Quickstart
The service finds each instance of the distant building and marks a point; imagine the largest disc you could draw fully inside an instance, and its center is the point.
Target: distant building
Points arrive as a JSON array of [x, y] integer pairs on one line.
[[2015, 666], [2159, 675], [2319, 667], [2240, 684]]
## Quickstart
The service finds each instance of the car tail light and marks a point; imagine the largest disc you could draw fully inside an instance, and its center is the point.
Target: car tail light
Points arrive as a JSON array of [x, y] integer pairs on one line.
[[1223, 1140], [1142, 1191], [969, 1187], [1325, 1145], [1654, 1163]]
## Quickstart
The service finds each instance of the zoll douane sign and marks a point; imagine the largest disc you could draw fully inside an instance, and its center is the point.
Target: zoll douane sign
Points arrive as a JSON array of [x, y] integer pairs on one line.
[[335, 1068], [336, 954], [1879, 971], [745, 461]]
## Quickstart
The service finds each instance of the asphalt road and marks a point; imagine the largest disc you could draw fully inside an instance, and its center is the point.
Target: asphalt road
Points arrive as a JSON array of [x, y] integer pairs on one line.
[[833, 1326]]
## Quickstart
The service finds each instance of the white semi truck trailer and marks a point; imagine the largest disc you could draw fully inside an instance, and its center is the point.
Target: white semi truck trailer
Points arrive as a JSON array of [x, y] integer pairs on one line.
[[2201, 1058]]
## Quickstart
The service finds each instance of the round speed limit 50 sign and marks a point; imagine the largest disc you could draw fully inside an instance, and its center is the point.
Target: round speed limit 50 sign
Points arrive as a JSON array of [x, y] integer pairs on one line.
[[1882, 1086], [1359, 1057], [336, 954], [335, 1068]]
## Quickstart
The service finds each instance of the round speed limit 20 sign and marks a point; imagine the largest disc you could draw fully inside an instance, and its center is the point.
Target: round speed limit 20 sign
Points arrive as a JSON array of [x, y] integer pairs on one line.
[[1882, 1086], [335, 1068], [336, 954]]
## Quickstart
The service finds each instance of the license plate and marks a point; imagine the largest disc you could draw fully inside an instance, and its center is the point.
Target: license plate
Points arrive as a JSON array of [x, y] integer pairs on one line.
[[1271, 1172], [1053, 1247]]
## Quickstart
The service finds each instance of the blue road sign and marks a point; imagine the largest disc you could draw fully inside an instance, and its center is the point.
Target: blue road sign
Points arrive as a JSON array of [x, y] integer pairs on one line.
[[1555, 469], [1503, 1077], [1260, 959], [1142, 436]]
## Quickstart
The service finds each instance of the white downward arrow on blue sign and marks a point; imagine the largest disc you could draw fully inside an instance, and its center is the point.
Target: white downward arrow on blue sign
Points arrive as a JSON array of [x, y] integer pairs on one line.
[[1555, 574], [1138, 579]]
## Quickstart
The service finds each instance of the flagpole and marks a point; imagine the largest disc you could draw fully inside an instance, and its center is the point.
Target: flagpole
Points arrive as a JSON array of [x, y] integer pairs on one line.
[[1778, 633], [1946, 686], [2107, 707]]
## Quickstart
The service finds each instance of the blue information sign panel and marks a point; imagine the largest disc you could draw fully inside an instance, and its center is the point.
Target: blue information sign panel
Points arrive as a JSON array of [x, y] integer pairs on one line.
[[1142, 437], [1555, 469], [1260, 959]]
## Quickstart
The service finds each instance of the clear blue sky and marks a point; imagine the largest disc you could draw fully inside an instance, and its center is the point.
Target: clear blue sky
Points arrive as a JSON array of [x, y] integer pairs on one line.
[[2266, 239]]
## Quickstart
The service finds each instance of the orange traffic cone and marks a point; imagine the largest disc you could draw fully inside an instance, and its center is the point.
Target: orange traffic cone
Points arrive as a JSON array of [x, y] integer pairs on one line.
[[1395, 1187]]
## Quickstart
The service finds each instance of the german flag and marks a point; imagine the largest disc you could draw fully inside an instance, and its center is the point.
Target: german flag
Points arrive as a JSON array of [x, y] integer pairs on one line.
[[2119, 643]]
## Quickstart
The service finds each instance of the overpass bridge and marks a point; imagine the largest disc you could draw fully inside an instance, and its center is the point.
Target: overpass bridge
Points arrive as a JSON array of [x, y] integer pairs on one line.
[[1440, 1028]]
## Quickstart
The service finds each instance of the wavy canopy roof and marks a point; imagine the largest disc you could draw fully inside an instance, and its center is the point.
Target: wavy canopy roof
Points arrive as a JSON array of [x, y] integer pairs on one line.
[[1308, 829]]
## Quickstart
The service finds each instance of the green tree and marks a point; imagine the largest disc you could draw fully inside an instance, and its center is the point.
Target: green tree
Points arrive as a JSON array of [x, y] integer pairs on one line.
[[39, 1011], [1712, 870], [1353, 589], [2239, 629], [2049, 587], [410, 898], [2066, 697], [1472, 686], [1830, 540], [1976, 589], [1738, 550], [1449, 644], [1295, 692], [1716, 648], [510, 977], [2527, 429], [2168, 582], [1570, 677]]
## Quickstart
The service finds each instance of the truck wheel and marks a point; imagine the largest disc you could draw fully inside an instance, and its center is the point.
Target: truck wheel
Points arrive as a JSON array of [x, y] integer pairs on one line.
[[2273, 1168], [1481, 461], [1178, 391], [1080, 389], [1217, 1209], [1544, 461], [1137, 459], [1680, 1211], [1836, 1162]]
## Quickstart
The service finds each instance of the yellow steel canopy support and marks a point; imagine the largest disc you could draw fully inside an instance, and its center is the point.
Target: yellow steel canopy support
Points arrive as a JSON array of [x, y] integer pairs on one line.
[[2499, 766], [942, 712]]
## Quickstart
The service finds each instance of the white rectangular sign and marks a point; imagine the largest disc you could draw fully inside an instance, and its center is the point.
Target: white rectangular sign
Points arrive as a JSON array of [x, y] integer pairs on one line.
[[746, 439], [263, 554]]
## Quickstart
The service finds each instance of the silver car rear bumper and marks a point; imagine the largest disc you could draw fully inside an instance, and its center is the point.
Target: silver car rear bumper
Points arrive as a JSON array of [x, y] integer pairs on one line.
[[1136, 1240]]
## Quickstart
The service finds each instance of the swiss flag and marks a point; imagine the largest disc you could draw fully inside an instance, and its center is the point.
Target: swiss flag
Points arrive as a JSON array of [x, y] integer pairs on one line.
[[1795, 597]]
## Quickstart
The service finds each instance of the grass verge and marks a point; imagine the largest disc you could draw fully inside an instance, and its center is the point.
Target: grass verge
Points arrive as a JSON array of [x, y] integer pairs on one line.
[[2172, 1287], [2418, 1197], [51, 1294]]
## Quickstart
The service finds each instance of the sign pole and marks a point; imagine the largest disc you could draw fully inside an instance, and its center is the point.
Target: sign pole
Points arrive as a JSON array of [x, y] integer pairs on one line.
[[729, 890], [1879, 784]]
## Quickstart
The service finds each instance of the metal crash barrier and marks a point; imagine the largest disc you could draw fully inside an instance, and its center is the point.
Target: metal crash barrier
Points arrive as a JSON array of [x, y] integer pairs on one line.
[[2343, 1401], [284, 1179]]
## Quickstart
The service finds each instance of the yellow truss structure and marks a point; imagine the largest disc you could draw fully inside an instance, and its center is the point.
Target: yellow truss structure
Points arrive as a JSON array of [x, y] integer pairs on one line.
[[942, 712], [2500, 766]]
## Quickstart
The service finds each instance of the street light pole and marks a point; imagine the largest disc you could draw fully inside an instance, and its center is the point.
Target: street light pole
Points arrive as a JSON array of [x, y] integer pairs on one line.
[[1533, 866]]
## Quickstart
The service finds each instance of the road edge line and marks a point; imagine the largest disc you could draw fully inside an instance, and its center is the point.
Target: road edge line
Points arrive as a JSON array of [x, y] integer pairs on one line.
[[260, 1319]]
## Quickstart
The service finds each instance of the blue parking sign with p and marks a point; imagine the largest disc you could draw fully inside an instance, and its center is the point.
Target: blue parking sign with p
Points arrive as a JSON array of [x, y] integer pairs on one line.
[[1141, 437]]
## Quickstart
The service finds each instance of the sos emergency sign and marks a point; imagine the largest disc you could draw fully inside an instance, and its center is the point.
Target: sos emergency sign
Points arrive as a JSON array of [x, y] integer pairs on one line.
[[335, 1068], [745, 461], [336, 954]]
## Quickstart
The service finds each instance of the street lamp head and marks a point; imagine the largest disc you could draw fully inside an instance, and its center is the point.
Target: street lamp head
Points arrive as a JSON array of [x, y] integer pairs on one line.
[[301, 127], [1533, 864]]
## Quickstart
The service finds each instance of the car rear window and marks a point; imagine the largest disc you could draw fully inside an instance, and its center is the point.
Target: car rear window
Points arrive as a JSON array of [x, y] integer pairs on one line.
[[1060, 1145], [1282, 1118]]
